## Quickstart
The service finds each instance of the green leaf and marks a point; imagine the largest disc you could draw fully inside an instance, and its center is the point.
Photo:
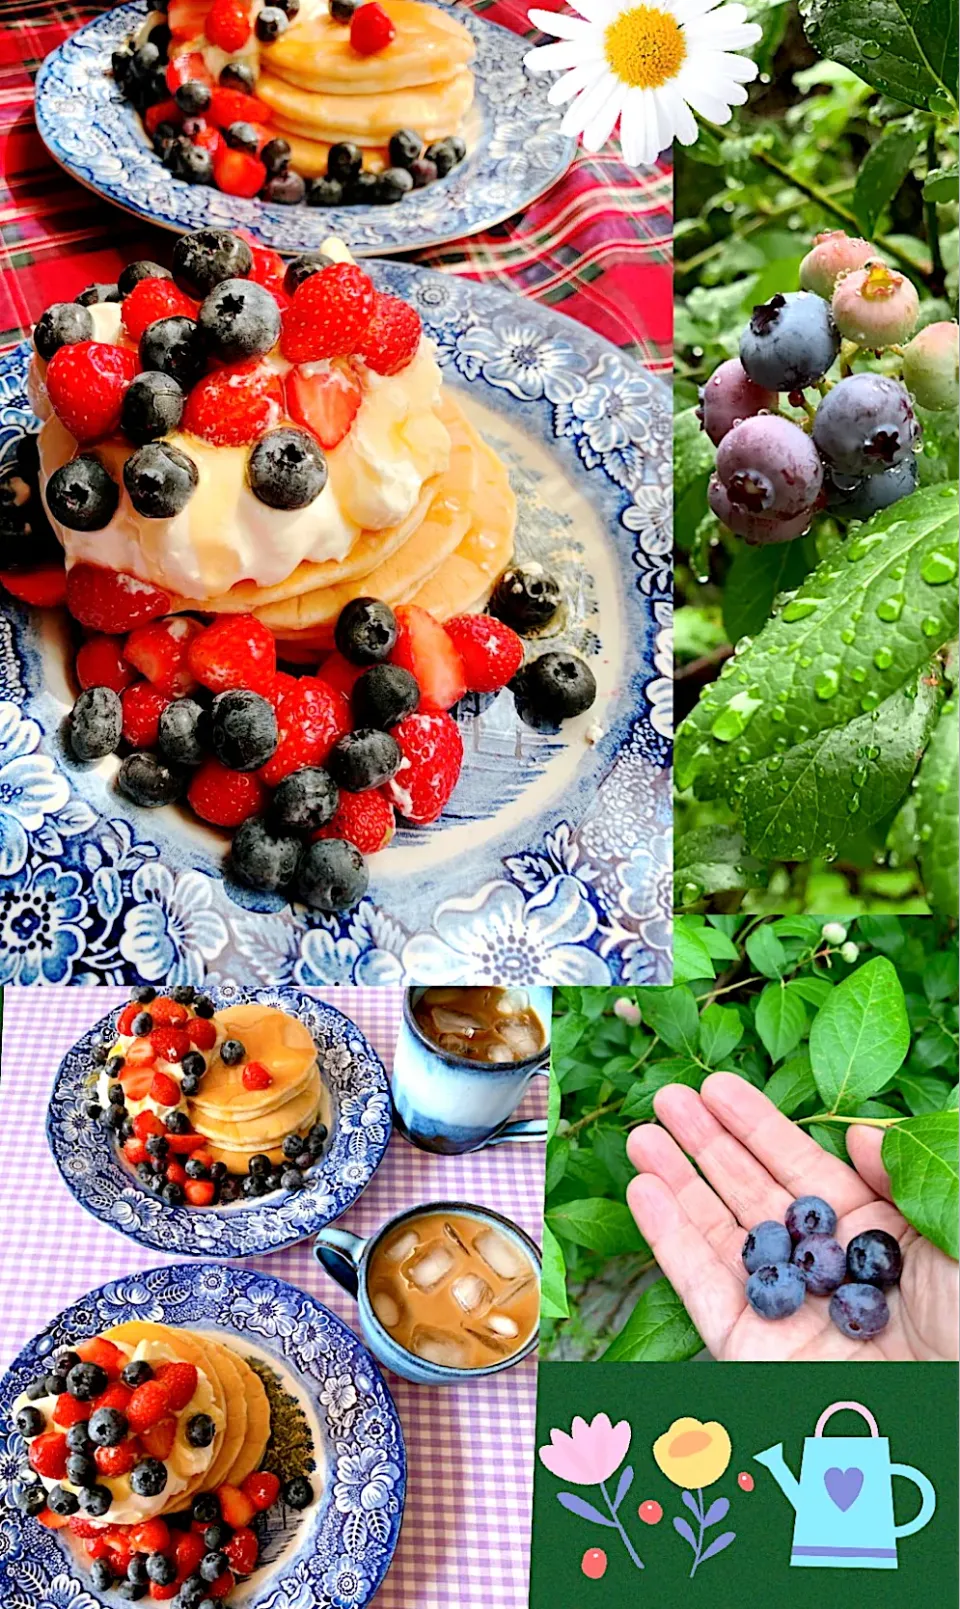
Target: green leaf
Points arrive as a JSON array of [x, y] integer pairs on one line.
[[781, 1019], [721, 1030], [882, 172], [719, 946], [553, 1102], [712, 860], [638, 1106], [920, 1156], [922, 1092], [905, 48], [610, 1148], [603, 1226], [766, 952], [860, 1036], [658, 1330], [940, 185], [553, 1279], [705, 148], [936, 1047], [830, 1137], [936, 814], [693, 456], [792, 1086], [811, 798], [829, 656], [691, 958], [558, 1155], [755, 577], [672, 1014], [940, 975], [567, 1034], [813, 990]]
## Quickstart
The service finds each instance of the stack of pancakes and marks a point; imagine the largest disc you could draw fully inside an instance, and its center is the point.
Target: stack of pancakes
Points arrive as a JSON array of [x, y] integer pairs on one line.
[[322, 91], [239, 1123], [243, 1423], [445, 556]]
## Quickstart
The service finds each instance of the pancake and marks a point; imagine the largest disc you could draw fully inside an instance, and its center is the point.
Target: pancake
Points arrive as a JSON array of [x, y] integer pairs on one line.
[[316, 54], [268, 1035], [309, 157], [434, 110], [271, 1129], [257, 1436]]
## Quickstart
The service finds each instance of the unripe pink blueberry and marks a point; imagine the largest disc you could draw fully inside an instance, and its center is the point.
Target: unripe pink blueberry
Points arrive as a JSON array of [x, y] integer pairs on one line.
[[875, 306], [757, 529], [729, 396], [832, 255], [931, 367], [768, 465]]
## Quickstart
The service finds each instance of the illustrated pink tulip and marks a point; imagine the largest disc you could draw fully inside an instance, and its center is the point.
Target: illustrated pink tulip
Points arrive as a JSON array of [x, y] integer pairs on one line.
[[591, 1452]]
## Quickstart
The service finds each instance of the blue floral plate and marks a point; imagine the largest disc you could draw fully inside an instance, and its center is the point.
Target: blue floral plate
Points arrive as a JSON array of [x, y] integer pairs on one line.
[[359, 1132], [551, 864], [516, 152], [337, 1552]]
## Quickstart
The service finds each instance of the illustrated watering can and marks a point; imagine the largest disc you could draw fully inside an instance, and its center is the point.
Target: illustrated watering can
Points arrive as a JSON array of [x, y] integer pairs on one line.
[[844, 1497]]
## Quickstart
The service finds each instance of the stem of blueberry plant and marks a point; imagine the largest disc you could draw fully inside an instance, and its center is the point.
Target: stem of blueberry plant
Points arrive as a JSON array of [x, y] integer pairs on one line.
[[623, 1535], [937, 277]]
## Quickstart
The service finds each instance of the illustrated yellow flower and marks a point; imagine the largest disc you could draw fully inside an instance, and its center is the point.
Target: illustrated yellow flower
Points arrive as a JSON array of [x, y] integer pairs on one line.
[[691, 1454]]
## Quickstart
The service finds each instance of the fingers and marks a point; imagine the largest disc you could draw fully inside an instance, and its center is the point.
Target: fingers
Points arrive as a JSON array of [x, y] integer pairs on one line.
[[864, 1145], [711, 1294], [742, 1182], [652, 1150]]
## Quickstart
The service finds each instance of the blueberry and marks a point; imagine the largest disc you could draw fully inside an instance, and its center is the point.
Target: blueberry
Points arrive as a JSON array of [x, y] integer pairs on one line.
[[212, 1565], [332, 876], [152, 407], [194, 1066], [767, 1242], [82, 1470], [392, 185], [317, 1138], [232, 1052], [81, 494], [405, 147], [131, 276], [96, 723], [361, 190], [93, 1110], [458, 145], [183, 993], [121, 66], [344, 161], [142, 1023], [243, 729], [172, 1193], [115, 1117], [262, 859], [366, 631], [242, 137], [363, 759], [442, 154], [137, 1372], [304, 800], [383, 695], [874, 1258], [148, 781], [144, 995], [98, 292], [270, 24], [30, 1422], [182, 732], [776, 1290], [238, 75], [78, 1439], [287, 189], [298, 1493], [116, 1096], [201, 260], [216, 1536], [304, 267], [101, 1575], [96, 1501], [137, 1570], [203, 1006], [292, 1146], [853, 498], [176, 346], [195, 1169], [324, 192], [131, 1591], [291, 1179], [160, 480], [41, 1388], [822, 1262], [287, 469], [86, 1380], [259, 1165], [558, 686], [859, 1311], [193, 97], [192, 163], [810, 1215], [205, 1508], [865, 425], [290, 8], [342, 10], [145, 59], [63, 324], [423, 172], [62, 1501], [192, 1592], [200, 1430], [157, 1144], [161, 1569], [239, 319], [148, 1478], [526, 597], [790, 341], [107, 1427], [275, 156]]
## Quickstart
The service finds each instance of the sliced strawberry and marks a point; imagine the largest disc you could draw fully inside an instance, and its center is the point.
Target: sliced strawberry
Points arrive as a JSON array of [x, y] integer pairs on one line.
[[236, 651], [148, 1405], [311, 718], [180, 1381], [158, 1439], [256, 1076], [325, 398], [268, 266], [159, 652], [143, 704], [432, 756], [223, 1586], [235, 405], [186, 66], [235, 1506], [491, 653], [44, 588], [86, 383], [135, 1151], [147, 1123], [184, 1144], [137, 1056], [100, 663], [161, 1594], [51, 1521], [243, 1549], [392, 336], [111, 600], [423, 647], [175, 1173], [103, 1352], [238, 173], [207, 138], [115, 1461], [199, 1192], [235, 106], [224, 797], [164, 1090], [136, 1082], [117, 1395], [48, 1456]]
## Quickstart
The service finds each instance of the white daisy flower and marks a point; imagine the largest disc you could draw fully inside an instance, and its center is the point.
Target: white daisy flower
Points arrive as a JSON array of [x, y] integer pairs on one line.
[[651, 66]]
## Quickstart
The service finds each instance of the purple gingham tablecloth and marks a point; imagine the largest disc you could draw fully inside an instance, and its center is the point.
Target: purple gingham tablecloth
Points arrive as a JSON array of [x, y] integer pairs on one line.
[[470, 1449]]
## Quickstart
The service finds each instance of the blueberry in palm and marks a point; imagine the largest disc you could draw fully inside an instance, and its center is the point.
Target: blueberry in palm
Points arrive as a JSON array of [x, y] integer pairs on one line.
[[859, 1311], [767, 1242], [874, 1258], [776, 1290], [810, 1215], [790, 342], [822, 1261]]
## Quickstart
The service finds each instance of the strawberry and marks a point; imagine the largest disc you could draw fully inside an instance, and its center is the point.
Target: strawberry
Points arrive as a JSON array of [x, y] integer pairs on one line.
[[311, 718], [148, 1405], [117, 1395], [491, 653], [424, 648], [235, 1506], [363, 819], [199, 1192], [283, 683], [99, 1350], [228, 25], [136, 1081], [180, 1380], [95, 1547], [100, 663], [127, 1018], [223, 1586], [268, 267], [164, 1089], [135, 1151], [87, 1529], [145, 1124], [111, 600], [187, 67], [162, 112], [48, 1456], [143, 704], [202, 1033], [152, 1536], [392, 336], [329, 314], [339, 674], [432, 756], [159, 652], [236, 106], [150, 300], [44, 588], [206, 137], [120, 1555], [186, 18], [170, 1044], [256, 1076], [235, 405], [167, 1013], [115, 1461], [238, 173], [324, 400], [175, 1173], [188, 1549], [184, 1144], [224, 797], [51, 1521], [236, 651], [158, 1439], [371, 30], [68, 1411], [86, 384], [263, 1488], [138, 1056], [204, 1156], [243, 1549], [161, 1594]]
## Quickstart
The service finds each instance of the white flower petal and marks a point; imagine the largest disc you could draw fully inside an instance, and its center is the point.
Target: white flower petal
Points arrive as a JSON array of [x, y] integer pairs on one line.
[[587, 104], [573, 82], [551, 58], [599, 129], [678, 114], [636, 138], [720, 39], [560, 24]]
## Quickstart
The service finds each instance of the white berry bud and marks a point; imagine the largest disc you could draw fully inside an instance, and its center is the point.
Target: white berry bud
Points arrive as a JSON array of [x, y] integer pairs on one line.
[[833, 932], [849, 952], [627, 1010]]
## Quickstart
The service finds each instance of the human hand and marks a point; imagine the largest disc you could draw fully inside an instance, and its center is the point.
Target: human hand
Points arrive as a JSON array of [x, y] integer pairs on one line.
[[757, 1161]]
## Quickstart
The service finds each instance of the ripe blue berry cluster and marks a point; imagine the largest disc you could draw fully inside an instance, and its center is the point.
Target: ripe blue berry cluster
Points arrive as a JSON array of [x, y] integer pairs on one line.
[[788, 1261]]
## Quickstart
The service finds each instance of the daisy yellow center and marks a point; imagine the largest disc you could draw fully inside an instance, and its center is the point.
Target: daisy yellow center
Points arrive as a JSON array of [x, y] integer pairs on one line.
[[644, 47]]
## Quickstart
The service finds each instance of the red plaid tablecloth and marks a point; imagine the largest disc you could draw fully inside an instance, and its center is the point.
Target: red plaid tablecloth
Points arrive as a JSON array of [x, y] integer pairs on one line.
[[597, 246]]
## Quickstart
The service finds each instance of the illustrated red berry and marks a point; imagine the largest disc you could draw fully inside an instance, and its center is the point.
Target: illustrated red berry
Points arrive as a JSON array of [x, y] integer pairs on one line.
[[44, 588], [371, 30], [329, 314], [167, 1013], [363, 819], [426, 650], [111, 600], [236, 651], [243, 1549], [745, 1481], [202, 1033], [311, 717], [650, 1512], [432, 751], [100, 663], [48, 1455], [163, 1089], [235, 405], [256, 1076], [115, 1461], [199, 1192], [263, 1488], [152, 299], [594, 1564], [149, 1404], [228, 25], [159, 652], [491, 653], [392, 336], [224, 797], [238, 173], [143, 706], [86, 383], [325, 402]]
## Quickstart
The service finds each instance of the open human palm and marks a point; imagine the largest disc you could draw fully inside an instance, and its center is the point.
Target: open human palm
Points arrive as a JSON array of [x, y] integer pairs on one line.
[[750, 1163]]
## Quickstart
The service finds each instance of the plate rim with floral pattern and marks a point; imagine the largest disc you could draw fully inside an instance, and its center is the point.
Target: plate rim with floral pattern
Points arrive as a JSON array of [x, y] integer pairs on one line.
[[574, 886], [363, 1121], [37, 1569], [97, 137]]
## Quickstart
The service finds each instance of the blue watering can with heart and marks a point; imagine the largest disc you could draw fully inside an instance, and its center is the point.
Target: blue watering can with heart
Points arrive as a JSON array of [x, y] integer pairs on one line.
[[844, 1497]]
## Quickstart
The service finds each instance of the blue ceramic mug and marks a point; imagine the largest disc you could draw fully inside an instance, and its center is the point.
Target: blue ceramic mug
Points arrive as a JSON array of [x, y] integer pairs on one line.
[[347, 1258], [448, 1103]]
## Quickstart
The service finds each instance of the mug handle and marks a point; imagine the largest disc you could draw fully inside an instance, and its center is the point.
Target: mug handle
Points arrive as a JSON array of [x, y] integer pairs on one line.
[[339, 1253], [527, 1129], [927, 1493]]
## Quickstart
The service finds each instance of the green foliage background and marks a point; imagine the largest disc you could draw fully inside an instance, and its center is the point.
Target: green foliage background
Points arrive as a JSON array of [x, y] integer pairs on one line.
[[852, 125], [830, 1040]]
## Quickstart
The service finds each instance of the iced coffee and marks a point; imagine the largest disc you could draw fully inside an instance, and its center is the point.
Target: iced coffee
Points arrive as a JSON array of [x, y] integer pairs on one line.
[[482, 1025]]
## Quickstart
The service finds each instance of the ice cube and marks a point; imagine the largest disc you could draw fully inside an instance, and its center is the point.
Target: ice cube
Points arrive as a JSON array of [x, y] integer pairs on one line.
[[431, 1267], [501, 1254], [454, 1044], [406, 1242], [500, 1053], [387, 1309], [503, 1324], [439, 1346], [522, 1037], [512, 1001], [471, 1293], [453, 1022], [451, 1233], [492, 1343]]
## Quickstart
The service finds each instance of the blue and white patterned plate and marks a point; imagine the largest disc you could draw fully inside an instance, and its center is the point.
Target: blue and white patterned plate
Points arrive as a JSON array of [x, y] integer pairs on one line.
[[334, 1554], [516, 152], [551, 864], [359, 1132]]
